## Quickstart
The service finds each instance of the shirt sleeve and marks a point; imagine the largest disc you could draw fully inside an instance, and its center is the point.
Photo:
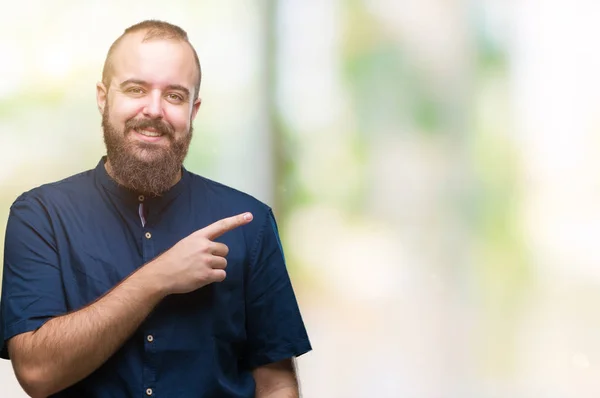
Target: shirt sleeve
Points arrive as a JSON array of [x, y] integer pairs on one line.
[[31, 281], [275, 329]]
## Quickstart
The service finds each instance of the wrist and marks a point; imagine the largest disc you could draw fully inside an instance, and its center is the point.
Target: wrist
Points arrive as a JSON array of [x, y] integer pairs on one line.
[[153, 281]]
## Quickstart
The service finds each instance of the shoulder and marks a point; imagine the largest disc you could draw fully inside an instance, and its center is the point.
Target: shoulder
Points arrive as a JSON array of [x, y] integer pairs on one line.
[[227, 198], [225, 201], [58, 192]]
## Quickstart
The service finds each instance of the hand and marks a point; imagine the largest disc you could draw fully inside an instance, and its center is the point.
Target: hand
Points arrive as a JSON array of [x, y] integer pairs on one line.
[[196, 260]]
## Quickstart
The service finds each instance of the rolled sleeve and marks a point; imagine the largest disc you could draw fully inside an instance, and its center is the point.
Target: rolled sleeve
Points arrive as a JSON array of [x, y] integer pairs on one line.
[[275, 329], [31, 283]]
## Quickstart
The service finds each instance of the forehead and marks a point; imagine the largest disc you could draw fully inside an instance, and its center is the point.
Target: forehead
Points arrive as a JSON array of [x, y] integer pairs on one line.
[[160, 62]]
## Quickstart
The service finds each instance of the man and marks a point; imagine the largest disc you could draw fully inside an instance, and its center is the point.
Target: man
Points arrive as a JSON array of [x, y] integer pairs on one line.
[[139, 278]]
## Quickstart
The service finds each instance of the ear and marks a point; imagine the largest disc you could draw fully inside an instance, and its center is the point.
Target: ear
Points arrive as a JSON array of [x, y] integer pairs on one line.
[[101, 96], [195, 107]]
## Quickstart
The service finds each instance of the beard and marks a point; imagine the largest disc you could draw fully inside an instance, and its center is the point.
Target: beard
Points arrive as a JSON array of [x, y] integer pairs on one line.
[[144, 167]]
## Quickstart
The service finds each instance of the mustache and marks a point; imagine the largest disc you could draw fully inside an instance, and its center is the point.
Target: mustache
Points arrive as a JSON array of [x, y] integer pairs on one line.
[[141, 124]]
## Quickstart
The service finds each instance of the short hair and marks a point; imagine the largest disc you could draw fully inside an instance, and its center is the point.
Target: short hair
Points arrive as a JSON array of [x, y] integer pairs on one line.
[[154, 29]]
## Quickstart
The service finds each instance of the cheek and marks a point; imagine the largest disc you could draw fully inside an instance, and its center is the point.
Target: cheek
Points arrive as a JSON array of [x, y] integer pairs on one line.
[[120, 113], [179, 119]]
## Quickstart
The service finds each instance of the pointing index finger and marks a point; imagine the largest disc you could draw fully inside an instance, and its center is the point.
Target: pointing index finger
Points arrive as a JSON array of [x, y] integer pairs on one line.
[[218, 228]]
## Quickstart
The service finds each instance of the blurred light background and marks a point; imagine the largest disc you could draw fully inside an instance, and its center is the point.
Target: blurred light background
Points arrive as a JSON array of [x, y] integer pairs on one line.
[[433, 165]]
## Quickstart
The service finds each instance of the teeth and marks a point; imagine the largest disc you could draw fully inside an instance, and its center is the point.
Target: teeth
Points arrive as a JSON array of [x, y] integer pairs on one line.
[[149, 133]]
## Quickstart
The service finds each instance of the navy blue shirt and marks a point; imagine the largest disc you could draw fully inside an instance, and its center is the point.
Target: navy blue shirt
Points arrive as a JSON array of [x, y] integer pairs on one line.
[[69, 242]]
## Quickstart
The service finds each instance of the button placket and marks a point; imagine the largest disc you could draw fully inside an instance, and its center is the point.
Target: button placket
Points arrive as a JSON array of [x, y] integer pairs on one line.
[[148, 253]]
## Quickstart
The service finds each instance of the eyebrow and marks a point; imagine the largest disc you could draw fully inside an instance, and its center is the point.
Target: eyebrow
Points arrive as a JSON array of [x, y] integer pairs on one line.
[[178, 87]]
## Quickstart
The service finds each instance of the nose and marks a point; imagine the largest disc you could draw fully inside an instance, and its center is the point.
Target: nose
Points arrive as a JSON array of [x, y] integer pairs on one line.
[[153, 108]]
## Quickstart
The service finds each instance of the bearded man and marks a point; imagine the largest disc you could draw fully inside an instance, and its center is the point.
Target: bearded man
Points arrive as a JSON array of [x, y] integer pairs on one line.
[[138, 277]]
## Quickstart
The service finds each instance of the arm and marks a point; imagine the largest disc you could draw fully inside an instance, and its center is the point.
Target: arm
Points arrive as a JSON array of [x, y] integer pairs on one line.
[[68, 348], [274, 326], [276, 380]]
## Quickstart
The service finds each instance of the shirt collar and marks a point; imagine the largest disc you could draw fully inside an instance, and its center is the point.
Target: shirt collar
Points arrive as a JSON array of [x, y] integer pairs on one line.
[[130, 196]]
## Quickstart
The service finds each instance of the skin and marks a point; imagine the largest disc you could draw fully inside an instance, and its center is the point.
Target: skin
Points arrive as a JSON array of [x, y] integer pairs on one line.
[[154, 80], [150, 80]]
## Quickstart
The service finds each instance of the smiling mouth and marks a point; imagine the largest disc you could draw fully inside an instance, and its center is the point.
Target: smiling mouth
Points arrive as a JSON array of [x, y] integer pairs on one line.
[[148, 133]]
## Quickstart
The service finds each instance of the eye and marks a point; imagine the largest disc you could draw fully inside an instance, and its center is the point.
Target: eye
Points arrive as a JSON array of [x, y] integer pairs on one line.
[[175, 97], [135, 90]]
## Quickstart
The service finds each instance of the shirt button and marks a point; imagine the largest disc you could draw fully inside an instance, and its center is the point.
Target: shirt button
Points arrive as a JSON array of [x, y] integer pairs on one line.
[[148, 235], [141, 198], [148, 391], [150, 338]]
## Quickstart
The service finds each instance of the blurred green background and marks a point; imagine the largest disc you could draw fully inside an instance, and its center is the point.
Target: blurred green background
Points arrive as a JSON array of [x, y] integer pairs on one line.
[[432, 166]]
